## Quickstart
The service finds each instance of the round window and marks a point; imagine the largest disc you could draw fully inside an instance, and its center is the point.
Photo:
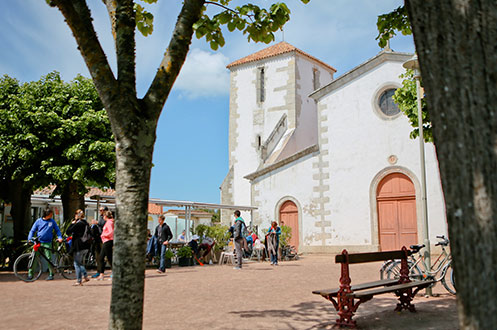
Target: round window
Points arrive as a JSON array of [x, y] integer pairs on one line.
[[386, 103]]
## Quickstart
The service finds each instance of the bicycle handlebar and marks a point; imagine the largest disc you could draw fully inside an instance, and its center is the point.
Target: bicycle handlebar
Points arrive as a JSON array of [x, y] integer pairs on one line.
[[444, 241], [36, 239]]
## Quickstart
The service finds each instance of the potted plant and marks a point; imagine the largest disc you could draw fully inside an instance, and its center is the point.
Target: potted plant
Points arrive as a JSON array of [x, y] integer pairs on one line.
[[285, 237], [185, 256], [220, 235], [168, 255]]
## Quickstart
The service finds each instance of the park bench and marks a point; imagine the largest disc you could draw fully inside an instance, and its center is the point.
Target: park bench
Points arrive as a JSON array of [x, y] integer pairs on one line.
[[347, 298]]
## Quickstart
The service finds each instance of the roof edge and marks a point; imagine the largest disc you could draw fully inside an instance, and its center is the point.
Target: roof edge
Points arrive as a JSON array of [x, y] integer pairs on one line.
[[283, 162], [289, 49], [359, 70]]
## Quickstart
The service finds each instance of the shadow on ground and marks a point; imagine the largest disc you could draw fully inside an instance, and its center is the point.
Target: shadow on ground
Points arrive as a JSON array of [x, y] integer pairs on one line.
[[436, 314]]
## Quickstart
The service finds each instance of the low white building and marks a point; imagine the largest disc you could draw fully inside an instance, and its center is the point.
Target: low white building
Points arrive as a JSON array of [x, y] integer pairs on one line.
[[331, 158]]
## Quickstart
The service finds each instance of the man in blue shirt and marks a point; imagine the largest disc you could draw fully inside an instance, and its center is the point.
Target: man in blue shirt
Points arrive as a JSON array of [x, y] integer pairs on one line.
[[44, 228]]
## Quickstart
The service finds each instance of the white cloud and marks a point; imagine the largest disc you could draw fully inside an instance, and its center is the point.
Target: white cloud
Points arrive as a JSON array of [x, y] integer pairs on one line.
[[204, 74]]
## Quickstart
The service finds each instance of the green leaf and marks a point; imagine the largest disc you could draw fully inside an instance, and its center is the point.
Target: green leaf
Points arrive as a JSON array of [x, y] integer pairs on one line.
[[214, 45], [231, 26]]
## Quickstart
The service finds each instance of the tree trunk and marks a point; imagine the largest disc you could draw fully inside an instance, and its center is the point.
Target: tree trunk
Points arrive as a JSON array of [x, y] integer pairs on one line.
[[20, 197], [72, 200], [134, 162], [456, 43]]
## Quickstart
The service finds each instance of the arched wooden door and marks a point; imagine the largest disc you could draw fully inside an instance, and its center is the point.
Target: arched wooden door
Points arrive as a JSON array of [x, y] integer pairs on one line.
[[289, 216], [397, 220]]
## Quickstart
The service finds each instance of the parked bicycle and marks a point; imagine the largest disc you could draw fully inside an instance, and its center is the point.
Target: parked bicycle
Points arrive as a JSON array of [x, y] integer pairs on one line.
[[289, 252], [28, 266], [441, 270]]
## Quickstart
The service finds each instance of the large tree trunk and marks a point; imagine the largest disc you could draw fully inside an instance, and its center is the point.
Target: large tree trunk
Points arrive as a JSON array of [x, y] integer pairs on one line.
[[134, 162], [133, 123], [20, 197], [72, 199], [456, 42]]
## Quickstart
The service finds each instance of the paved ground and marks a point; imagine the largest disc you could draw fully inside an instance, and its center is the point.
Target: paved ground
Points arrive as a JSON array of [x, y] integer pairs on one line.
[[217, 297]]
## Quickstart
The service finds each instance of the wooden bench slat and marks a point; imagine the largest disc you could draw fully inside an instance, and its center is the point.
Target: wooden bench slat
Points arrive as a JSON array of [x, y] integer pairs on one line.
[[371, 256], [387, 289], [362, 286]]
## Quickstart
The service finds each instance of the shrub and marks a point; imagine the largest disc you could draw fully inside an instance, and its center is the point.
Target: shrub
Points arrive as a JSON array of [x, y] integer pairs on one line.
[[184, 252]]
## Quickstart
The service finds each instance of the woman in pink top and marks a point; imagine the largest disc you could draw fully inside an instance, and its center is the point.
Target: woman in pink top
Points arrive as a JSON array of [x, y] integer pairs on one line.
[[108, 242]]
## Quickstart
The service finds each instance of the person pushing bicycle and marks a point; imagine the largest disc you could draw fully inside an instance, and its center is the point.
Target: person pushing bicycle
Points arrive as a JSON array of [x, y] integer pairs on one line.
[[44, 228]]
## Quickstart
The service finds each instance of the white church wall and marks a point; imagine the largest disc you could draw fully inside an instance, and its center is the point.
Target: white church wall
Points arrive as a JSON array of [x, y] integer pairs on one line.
[[359, 144], [255, 118], [292, 182]]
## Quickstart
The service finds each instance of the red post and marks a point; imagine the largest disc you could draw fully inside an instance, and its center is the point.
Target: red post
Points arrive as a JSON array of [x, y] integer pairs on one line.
[[345, 304]]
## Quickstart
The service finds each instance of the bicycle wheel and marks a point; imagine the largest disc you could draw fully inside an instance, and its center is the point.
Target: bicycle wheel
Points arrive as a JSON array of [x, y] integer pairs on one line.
[[22, 267], [384, 267], [89, 260], [448, 280], [66, 267], [393, 271]]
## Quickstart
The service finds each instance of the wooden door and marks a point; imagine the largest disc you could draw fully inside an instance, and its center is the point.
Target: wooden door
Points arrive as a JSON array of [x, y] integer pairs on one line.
[[289, 216], [397, 220]]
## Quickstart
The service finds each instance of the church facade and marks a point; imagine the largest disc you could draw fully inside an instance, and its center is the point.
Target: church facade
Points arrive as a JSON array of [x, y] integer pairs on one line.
[[329, 157]]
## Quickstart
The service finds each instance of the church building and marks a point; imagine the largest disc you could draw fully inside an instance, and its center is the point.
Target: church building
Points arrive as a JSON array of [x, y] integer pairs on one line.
[[329, 157]]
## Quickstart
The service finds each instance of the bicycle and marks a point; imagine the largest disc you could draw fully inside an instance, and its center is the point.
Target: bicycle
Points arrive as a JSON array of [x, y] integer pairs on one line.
[[442, 265], [31, 261], [289, 252]]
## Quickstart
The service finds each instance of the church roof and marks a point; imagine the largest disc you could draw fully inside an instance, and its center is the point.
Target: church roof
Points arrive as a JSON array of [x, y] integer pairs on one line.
[[275, 50], [360, 70]]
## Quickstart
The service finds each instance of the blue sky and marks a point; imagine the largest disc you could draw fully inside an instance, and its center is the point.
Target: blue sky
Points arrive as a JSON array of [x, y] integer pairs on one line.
[[191, 152]]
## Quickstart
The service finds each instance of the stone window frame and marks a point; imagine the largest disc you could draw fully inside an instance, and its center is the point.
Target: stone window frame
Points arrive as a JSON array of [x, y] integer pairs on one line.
[[316, 78], [376, 97], [261, 84]]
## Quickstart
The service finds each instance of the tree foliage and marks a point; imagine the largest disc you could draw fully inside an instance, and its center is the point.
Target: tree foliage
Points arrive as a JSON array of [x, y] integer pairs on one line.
[[389, 24], [406, 99], [52, 132], [259, 24], [405, 96]]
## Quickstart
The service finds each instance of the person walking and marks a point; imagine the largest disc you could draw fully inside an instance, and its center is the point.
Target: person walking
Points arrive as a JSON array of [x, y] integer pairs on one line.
[[96, 244], [164, 235], [44, 227], [80, 245], [239, 237], [108, 243], [273, 239], [97, 226]]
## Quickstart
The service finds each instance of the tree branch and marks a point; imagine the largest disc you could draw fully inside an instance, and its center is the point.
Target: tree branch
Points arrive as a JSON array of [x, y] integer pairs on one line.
[[229, 9], [111, 9], [78, 17], [220, 5], [125, 46], [175, 55]]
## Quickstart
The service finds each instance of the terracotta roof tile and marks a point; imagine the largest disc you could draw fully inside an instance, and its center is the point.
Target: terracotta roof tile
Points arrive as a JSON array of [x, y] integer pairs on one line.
[[45, 191], [96, 191], [275, 50], [154, 209], [93, 191]]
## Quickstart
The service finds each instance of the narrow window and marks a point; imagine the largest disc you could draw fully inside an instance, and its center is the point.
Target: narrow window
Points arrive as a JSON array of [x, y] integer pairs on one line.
[[262, 92], [259, 141], [315, 79]]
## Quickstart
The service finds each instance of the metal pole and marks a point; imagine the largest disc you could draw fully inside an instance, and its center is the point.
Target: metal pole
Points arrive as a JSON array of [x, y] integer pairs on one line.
[[424, 203], [176, 228]]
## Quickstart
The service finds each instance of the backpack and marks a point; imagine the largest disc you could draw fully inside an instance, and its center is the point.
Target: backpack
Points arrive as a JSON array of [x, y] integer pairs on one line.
[[244, 231], [87, 237]]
